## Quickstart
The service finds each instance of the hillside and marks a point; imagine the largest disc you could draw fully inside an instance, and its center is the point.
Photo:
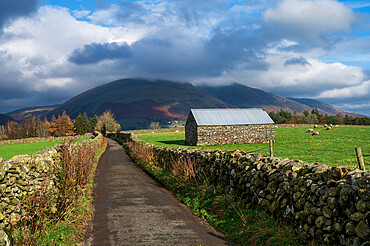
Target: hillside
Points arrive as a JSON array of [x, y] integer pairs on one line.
[[323, 106], [317, 104], [135, 102], [25, 113], [293, 105], [4, 118], [241, 95], [244, 96]]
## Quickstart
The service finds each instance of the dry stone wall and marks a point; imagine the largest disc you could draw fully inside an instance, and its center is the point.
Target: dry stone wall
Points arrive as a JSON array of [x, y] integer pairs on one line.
[[23, 175], [331, 204]]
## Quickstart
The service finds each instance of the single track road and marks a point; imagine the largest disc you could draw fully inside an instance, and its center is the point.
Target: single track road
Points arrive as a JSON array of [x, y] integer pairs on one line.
[[131, 208]]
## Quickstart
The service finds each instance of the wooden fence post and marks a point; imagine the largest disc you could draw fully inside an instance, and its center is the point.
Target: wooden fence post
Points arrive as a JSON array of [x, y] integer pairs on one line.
[[271, 150], [360, 159]]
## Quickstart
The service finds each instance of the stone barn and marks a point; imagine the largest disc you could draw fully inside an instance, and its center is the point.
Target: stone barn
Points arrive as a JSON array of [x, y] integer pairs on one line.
[[228, 126]]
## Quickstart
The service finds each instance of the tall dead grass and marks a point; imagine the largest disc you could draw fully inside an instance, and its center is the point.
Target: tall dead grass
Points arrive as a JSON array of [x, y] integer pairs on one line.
[[75, 172], [184, 168], [43, 207], [141, 153]]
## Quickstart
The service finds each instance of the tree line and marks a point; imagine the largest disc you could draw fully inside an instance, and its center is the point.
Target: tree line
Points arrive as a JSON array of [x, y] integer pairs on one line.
[[314, 117], [62, 125]]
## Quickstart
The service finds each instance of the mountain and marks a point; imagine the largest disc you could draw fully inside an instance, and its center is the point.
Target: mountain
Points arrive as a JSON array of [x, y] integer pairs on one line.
[[293, 105], [241, 95], [4, 118], [317, 104], [136, 102], [245, 96], [25, 113]]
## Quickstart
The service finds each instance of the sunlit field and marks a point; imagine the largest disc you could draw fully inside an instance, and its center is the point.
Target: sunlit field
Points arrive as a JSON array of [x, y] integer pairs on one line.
[[335, 147], [8, 151]]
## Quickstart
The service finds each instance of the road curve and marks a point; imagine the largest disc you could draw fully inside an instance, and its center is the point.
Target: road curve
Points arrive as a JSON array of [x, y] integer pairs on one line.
[[130, 208]]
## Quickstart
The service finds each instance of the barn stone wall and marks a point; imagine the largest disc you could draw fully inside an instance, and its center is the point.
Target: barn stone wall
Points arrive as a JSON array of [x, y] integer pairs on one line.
[[211, 135], [191, 134]]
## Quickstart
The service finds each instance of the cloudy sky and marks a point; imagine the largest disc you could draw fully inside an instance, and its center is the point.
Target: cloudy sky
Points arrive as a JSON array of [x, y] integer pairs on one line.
[[51, 50]]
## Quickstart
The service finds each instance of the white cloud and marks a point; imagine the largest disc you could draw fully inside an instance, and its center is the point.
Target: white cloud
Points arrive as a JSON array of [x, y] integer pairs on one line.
[[80, 14], [354, 91], [34, 46], [310, 17], [186, 41], [351, 51], [294, 80], [53, 82], [55, 32], [105, 16], [354, 106], [357, 4]]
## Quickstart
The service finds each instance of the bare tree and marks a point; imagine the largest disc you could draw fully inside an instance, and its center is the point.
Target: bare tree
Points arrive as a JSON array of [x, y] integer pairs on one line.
[[107, 123]]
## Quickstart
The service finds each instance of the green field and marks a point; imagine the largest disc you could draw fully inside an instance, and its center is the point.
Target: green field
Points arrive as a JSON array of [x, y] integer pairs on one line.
[[334, 148], [8, 151]]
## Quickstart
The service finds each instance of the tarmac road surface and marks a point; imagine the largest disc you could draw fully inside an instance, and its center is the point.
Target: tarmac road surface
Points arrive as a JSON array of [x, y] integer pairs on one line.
[[130, 208]]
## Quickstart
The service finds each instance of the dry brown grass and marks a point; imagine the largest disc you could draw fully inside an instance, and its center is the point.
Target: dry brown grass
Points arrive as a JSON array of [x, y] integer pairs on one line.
[[141, 152], [184, 168], [44, 208]]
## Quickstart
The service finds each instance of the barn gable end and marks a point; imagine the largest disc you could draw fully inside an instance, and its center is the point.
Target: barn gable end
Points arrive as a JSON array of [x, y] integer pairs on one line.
[[191, 128], [227, 126]]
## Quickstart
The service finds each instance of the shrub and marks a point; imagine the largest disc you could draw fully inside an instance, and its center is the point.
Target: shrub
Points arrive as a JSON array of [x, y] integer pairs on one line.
[[154, 125], [107, 123]]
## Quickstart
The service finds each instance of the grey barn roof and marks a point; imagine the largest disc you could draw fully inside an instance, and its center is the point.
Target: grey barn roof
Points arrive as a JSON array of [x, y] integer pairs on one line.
[[227, 117]]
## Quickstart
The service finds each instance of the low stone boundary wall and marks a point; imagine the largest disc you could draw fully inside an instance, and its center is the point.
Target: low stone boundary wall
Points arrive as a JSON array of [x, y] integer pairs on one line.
[[151, 131], [331, 204], [23, 175], [44, 139]]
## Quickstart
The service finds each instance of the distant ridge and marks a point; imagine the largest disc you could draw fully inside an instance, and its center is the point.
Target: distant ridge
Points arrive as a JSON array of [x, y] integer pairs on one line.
[[25, 113], [241, 95], [245, 96], [324, 106], [137, 102], [4, 118]]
